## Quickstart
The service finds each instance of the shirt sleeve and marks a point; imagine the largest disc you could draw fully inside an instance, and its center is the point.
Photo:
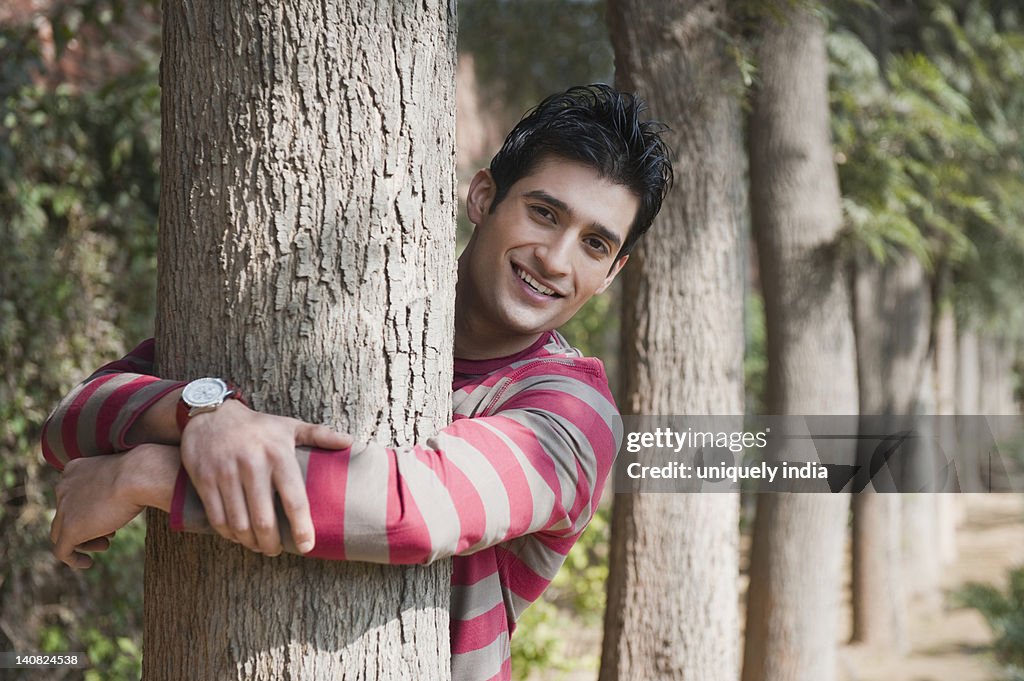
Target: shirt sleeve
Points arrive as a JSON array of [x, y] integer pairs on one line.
[[535, 462], [94, 417]]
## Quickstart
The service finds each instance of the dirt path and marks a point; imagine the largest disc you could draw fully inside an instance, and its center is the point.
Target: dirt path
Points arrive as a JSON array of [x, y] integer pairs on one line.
[[947, 643]]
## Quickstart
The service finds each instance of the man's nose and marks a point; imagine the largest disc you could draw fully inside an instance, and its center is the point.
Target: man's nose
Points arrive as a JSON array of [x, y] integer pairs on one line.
[[555, 257]]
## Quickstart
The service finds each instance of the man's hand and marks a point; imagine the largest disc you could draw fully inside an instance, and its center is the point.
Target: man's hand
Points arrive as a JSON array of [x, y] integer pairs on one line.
[[236, 459], [99, 495]]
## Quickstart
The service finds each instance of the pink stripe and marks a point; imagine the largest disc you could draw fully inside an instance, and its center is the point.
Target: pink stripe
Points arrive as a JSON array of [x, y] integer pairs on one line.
[[468, 570], [481, 630], [469, 506], [121, 444], [178, 501], [69, 426], [326, 480], [48, 454], [407, 532], [505, 464], [560, 545], [519, 577], [112, 407]]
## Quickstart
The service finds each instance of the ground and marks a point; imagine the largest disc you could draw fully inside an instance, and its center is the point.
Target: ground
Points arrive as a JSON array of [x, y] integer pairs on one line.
[[947, 643]]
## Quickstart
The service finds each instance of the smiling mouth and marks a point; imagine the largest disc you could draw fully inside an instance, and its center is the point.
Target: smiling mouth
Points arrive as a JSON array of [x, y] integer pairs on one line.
[[534, 284]]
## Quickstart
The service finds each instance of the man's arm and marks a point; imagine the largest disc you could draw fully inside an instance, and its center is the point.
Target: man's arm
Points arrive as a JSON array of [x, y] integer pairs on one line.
[[536, 462], [99, 495], [123, 405]]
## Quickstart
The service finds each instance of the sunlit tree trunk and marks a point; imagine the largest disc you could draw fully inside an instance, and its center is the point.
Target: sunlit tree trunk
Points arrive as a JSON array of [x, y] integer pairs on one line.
[[672, 587], [307, 230], [799, 539]]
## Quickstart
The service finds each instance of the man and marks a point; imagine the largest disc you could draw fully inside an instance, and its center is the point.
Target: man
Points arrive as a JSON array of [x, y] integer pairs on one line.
[[506, 489]]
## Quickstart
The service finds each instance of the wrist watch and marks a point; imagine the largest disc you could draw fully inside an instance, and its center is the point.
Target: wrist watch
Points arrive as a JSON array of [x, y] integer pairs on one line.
[[203, 395]]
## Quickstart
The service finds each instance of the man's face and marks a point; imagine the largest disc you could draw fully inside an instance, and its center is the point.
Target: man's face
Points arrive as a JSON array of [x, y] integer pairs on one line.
[[547, 248]]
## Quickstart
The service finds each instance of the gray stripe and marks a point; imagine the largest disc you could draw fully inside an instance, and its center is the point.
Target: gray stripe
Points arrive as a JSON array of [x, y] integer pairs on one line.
[[517, 604], [434, 503], [482, 663], [287, 541], [565, 444], [366, 497], [476, 599], [86, 432], [470, 402], [193, 514], [543, 560], [56, 422], [567, 384], [485, 480], [130, 411]]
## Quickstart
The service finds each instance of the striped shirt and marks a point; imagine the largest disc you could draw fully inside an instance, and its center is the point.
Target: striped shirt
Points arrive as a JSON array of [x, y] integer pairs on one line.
[[506, 489]]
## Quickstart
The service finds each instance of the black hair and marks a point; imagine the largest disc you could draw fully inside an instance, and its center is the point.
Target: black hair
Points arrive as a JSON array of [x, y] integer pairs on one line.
[[598, 126]]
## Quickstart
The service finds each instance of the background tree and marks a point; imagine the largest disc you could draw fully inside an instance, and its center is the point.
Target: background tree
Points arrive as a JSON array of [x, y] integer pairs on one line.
[[921, 121], [306, 251], [796, 556], [672, 586]]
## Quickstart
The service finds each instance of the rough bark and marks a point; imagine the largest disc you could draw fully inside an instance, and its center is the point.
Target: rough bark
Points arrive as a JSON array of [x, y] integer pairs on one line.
[[799, 539], [672, 588], [306, 242]]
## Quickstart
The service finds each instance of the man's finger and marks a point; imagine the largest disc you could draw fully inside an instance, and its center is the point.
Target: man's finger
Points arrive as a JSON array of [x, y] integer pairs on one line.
[[321, 437], [214, 507], [98, 544], [237, 514], [58, 520], [259, 497], [292, 489], [79, 561]]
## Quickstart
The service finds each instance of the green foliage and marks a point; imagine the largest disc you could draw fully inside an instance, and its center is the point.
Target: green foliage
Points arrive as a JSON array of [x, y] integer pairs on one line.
[[78, 202], [574, 600], [527, 49], [901, 138], [755, 355], [927, 135], [1004, 612]]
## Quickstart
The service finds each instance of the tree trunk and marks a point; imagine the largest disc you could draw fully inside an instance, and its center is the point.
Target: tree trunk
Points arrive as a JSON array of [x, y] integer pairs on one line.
[[945, 406], [893, 313], [307, 231], [996, 355], [672, 587], [799, 539]]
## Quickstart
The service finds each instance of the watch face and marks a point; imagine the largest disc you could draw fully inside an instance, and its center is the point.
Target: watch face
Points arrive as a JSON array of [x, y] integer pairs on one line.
[[204, 392]]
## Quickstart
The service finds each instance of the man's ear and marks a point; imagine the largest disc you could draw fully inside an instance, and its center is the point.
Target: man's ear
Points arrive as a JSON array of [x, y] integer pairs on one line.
[[613, 273], [481, 194]]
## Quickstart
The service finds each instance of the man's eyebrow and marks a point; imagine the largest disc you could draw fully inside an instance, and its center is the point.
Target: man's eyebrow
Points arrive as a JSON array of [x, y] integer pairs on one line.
[[542, 195]]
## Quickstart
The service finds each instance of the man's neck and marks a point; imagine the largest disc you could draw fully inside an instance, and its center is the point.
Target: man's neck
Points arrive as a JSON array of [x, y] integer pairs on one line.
[[474, 343]]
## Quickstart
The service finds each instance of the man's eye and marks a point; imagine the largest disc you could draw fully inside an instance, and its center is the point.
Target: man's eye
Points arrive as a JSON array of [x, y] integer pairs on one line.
[[597, 245], [544, 213]]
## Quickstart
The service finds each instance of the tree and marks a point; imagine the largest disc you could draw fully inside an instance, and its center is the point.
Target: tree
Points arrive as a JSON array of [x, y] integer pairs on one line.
[[306, 251], [672, 589], [796, 557]]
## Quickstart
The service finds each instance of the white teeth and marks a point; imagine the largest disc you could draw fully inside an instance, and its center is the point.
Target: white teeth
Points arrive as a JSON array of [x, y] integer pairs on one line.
[[534, 284]]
